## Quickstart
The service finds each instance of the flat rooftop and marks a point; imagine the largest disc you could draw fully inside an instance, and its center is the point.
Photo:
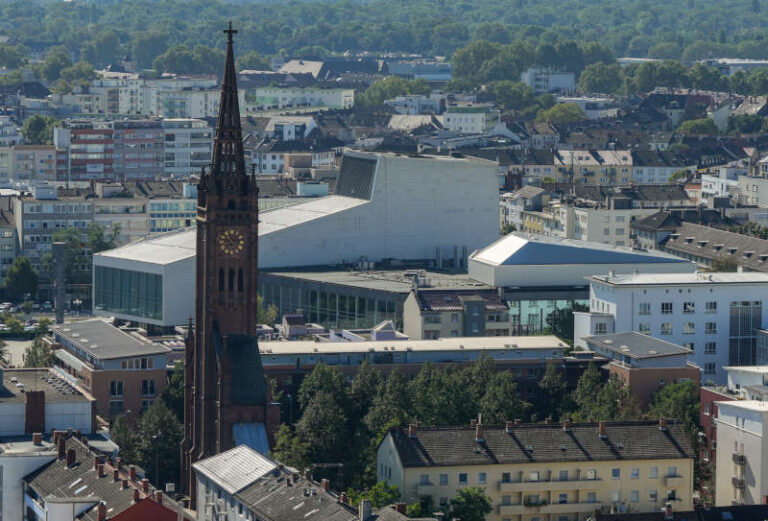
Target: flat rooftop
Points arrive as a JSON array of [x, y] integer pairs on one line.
[[17, 382], [391, 280], [665, 279], [757, 369], [637, 345], [103, 341], [752, 405], [442, 344]]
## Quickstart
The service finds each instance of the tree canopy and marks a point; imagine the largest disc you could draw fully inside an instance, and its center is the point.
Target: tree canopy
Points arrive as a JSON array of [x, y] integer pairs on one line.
[[20, 279]]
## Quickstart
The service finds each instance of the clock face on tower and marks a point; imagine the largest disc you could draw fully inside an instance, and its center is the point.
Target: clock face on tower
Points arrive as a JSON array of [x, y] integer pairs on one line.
[[231, 242]]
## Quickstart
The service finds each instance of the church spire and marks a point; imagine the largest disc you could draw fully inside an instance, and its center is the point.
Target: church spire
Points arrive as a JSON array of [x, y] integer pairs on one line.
[[228, 156]]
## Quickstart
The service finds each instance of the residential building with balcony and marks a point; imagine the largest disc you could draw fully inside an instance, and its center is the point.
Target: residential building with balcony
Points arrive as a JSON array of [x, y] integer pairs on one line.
[[603, 167], [258, 99], [189, 103], [741, 471], [10, 134], [544, 471], [123, 371], [709, 397], [715, 315], [33, 163], [188, 146], [467, 119], [543, 80]]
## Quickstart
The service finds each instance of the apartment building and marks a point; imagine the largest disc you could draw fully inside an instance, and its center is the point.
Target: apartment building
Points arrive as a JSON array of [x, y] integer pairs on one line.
[[189, 103], [33, 163], [467, 119], [543, 80], [742, 475], [9, 132], [172, 204], [88, 148], [123, 371], [603, 167], [9, 239], [604, 225], [439, 313], [188, 146], [715, 315], [116, 206], [253, 101], [544, 471]]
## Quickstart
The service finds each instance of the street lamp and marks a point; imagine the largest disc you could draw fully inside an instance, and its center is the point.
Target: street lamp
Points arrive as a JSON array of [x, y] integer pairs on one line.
[[154, 442]]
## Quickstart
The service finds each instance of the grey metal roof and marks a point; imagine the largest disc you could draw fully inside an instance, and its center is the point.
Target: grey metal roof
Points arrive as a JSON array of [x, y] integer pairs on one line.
[[236, 469], [16, 382], [637, 345], [103, 341]]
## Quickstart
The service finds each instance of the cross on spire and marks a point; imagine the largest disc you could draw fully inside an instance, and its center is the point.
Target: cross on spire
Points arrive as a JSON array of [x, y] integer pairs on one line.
[[229, 32]]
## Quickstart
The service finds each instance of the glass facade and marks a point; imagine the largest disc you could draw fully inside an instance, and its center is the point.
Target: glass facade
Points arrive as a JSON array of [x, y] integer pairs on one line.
[[128, 292], [337, 307], [745, 320], [530, 316]]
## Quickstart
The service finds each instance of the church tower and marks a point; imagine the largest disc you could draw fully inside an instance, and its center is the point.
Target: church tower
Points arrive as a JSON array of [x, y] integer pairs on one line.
[[226, 401]]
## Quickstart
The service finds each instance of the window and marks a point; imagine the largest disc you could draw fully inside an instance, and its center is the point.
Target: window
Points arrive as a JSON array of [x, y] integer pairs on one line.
[[454, 317], [534, 475], [424, 479], [506, 500], [634, 496], [645, 328], [116, 388], [600, 328], [707, 408], [653, 495], [615, 473], [653, 472], [634, 473], [689, 328], [666, 328], [666, 308], [709, 368], [148, 388], [462, 478], [710, 348], [688, 345], [146, 404], [115, 407], [671, 472], [711, 307], [563, 475], [711, 328], [443, 480], [482, 478], [562, 498], [506, 477], [591, 473], [615, 496], [672, 495], [689, 307], [591, 497], [645, 308]]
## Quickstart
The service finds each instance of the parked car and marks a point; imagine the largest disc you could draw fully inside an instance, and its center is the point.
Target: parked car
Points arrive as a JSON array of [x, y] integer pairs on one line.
[[47, 306], [36, 307]]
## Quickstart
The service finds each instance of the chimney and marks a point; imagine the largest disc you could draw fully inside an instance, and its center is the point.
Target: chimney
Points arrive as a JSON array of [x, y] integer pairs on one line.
[[308, 474], [508, 427], [400, 508], [343, 498], [566, 425], [326, 484], [145, 485], [37, 438], [668, 511], [412, 431], [62, 446], [601, 430], [288, 482], [479, 433], [135, 495], [365, 509], [473, 422], [71, 457], [115, 475], [102, 511], [100, 470], [548, 421], [662, 424], [518, 421], [159, 496], [124, 484], [132, 473], [96, 463], [118, 463]]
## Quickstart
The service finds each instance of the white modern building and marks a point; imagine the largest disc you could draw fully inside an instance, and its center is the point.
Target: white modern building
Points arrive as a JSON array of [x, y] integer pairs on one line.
[[259, 99], [520, 260], [386, 206], [188, 146], [716, 315], [469, 119], [189, 103], [742, 471], [543, 80], [18, 458], [594, 107], [748, 381]]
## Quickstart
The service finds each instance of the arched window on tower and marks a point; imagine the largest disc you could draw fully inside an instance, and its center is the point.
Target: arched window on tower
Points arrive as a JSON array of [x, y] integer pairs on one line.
[[231, 284], [240, 279], [221, 279]]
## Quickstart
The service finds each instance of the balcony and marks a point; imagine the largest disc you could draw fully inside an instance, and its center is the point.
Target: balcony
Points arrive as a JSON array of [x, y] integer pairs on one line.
[[548, 508], [425, 489], [547, 484], [737, 482], [673, 479], [739, 459]]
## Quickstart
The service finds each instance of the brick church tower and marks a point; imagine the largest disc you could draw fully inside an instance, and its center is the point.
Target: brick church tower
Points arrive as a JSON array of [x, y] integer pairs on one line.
[[226, 397]]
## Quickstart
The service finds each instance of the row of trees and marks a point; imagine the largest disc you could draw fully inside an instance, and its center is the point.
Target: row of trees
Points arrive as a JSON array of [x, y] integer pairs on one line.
[[342, 422]]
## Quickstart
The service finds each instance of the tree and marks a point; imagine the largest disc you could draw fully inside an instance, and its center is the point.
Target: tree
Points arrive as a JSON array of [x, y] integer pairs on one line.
[[703, 126], [38, 130], [471, 504], [20, 279], [97, 240], [679, 174], [173, 396], [43, 325], [15, 326], [679, 400], [560, 321], [125, 436], [501, 402], [563, 113], [553, 390], [745, 124], [388, 88], [600, 77], [513, 95], [291, 450], [254, 61], [391, 405], [158, 447], [38, 354], [103, 50], [725, 264], [146, 46], [4, 353], [323, 378], [26, 306], [79, 74], [56, 60], [587, 389], [11, 56], [323, 425], [380, 495]]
